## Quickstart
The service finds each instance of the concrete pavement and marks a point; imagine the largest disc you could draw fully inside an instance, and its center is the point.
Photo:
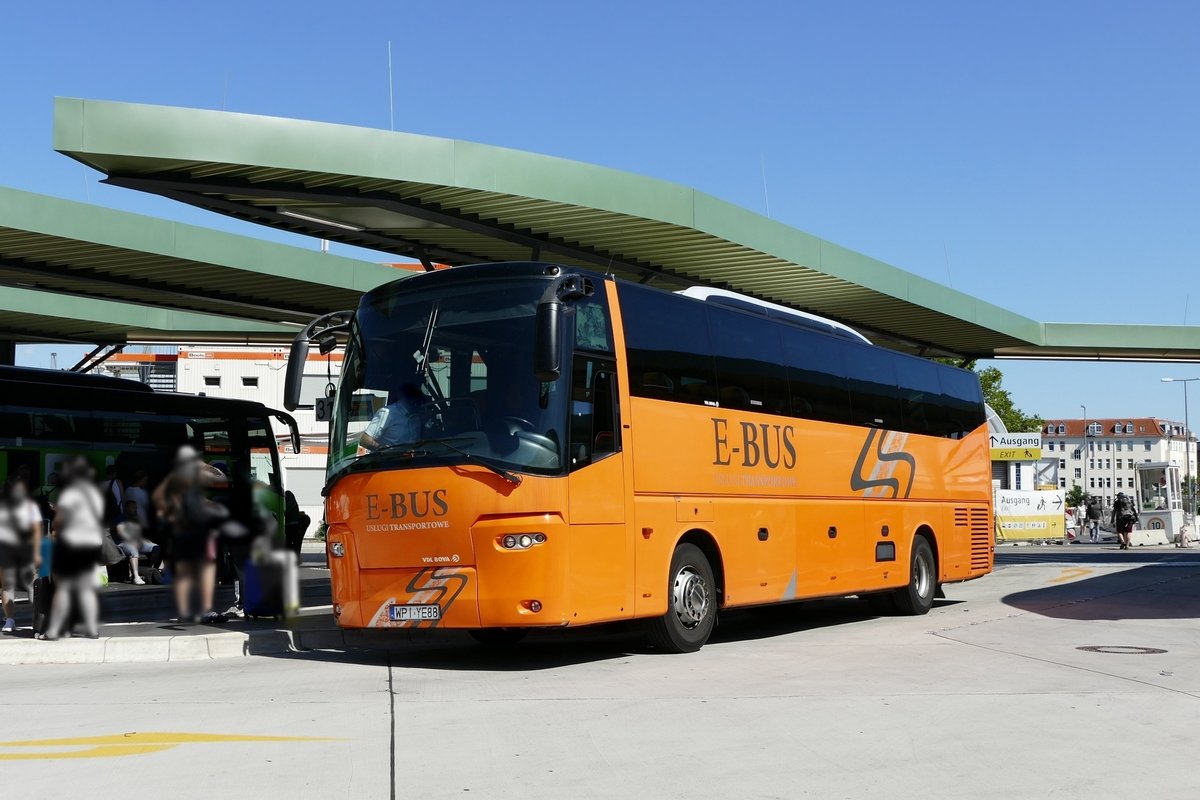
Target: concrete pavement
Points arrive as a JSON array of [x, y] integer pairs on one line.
[[989, 696]]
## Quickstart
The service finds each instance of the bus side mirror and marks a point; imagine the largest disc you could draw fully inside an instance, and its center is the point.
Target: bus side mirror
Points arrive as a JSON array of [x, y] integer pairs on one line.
[[295, 371], [293, 428], [321, 330], [547, 343]]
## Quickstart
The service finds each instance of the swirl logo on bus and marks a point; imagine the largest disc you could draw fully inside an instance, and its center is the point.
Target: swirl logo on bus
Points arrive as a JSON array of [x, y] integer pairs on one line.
[[891, 470]]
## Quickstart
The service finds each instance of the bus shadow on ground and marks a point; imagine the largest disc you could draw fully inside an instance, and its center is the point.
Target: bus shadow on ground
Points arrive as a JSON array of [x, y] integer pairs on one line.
[[458, 652], [766, 622], [1148, 592], [454, 651]]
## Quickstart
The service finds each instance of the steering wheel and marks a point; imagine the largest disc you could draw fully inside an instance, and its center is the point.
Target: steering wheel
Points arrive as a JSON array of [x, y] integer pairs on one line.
[[516, 424], [546, 449]]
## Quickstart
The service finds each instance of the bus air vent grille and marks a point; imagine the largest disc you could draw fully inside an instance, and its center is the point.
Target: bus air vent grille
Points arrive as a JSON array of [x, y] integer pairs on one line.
[[981, 538]]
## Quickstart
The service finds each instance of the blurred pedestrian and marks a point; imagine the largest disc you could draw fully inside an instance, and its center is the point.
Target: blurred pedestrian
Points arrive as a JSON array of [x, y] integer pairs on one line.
[[132, 542], [295, 523], [243, 542], [78, 538], [193, 519], [20, 543], [27, 514], [1124, 517], [114, 497], [136, 493], [1093, 519], [10, 559]]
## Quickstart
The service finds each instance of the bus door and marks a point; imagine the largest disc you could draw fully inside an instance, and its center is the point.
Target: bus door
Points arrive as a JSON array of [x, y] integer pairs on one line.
[[599, 558], [265, 473]]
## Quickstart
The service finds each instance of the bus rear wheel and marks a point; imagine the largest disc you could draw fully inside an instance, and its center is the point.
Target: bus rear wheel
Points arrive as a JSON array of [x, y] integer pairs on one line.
[[498, 637], [691, 603], [917, 598]]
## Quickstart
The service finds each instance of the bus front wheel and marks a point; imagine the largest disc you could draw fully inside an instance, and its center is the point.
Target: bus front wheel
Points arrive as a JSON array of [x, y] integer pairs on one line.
[[691, 603], [917, 598]]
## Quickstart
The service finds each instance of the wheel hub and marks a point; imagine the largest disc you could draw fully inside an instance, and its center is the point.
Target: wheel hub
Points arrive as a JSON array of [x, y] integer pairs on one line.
[[690, 597], [924, 577]]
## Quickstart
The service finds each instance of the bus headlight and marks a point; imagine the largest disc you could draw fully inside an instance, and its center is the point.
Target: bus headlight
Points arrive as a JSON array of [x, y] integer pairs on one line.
[[521, 541], [337, 549]]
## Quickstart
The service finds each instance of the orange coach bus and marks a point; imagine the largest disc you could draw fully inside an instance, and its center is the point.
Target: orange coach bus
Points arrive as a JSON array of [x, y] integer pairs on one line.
[[528, 445]]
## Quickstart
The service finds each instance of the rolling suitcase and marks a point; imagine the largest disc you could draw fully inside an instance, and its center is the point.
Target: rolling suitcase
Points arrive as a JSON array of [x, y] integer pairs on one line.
[[270, 585], [43, 595]]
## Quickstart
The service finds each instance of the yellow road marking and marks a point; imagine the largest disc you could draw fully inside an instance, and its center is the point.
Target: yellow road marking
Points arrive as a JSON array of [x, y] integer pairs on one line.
[[131, 744], [1070, 573]]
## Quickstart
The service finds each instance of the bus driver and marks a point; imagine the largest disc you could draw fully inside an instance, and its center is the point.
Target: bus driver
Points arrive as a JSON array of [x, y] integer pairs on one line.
[[397, 422]]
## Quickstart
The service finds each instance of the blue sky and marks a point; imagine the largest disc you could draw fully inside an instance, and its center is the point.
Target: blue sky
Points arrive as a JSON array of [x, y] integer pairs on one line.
[[1040, 156]]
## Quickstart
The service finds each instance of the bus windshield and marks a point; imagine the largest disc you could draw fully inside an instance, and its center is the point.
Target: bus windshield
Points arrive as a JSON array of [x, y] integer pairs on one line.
[[444, 375]]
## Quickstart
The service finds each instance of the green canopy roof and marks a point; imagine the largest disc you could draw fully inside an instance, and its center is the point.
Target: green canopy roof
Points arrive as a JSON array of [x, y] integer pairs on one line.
[[77, 272], [458, 202]]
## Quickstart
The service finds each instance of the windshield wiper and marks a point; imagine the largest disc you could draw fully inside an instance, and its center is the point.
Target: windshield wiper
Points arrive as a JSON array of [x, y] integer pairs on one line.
[[511, 477], [427, 341], [413, 449]]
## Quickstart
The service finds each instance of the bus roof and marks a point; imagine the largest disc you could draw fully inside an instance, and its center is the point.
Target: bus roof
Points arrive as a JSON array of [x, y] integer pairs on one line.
[[59, 377], [111, 389], [730, 299]]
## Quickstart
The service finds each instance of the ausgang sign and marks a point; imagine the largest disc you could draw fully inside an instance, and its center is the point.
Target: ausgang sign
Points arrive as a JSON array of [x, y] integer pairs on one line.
[[1016, 446]]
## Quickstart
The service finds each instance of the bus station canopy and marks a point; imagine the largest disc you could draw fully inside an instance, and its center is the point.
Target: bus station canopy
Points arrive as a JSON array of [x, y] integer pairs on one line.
[[454, 202], [76, 272]]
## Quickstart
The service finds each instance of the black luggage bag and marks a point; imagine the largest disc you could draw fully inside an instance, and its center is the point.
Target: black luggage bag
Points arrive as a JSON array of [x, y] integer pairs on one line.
[[43, 596]]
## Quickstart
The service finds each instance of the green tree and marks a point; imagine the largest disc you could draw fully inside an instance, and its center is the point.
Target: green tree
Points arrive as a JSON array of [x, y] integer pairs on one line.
[[1016, 420], [1076, 496]]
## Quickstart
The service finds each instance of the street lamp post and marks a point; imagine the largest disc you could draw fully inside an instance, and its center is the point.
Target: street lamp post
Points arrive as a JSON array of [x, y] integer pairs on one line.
[[1187, 440], [1083, 448]]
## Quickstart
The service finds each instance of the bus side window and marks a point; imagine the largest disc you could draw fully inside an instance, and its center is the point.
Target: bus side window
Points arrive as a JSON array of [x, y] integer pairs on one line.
[[874, 391], [595, 432], [922, 406], [667, 342], [816, 367], [749, 358], [606, 433], [964, 400]]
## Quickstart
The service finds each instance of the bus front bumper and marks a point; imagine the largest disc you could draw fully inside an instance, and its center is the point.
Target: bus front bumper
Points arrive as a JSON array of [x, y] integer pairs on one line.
[[439, 597]]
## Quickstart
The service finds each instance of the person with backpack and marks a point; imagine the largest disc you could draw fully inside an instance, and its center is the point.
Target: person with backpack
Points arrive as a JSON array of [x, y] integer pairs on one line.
[[194, 521], [1124, 517]]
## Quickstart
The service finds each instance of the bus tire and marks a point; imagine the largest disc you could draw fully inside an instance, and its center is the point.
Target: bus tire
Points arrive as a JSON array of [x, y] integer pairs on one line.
[[691, 603], [498, 637], [917, 598]]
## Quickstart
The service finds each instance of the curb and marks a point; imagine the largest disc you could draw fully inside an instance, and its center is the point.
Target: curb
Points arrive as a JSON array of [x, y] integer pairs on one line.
[[198, 646], [144, 649]]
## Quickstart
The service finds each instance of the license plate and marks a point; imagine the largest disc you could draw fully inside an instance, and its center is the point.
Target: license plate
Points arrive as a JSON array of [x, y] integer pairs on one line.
[[414, 612]]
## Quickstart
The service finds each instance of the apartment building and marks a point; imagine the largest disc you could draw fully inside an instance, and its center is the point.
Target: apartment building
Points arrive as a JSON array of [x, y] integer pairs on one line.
[[1101, 454]]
